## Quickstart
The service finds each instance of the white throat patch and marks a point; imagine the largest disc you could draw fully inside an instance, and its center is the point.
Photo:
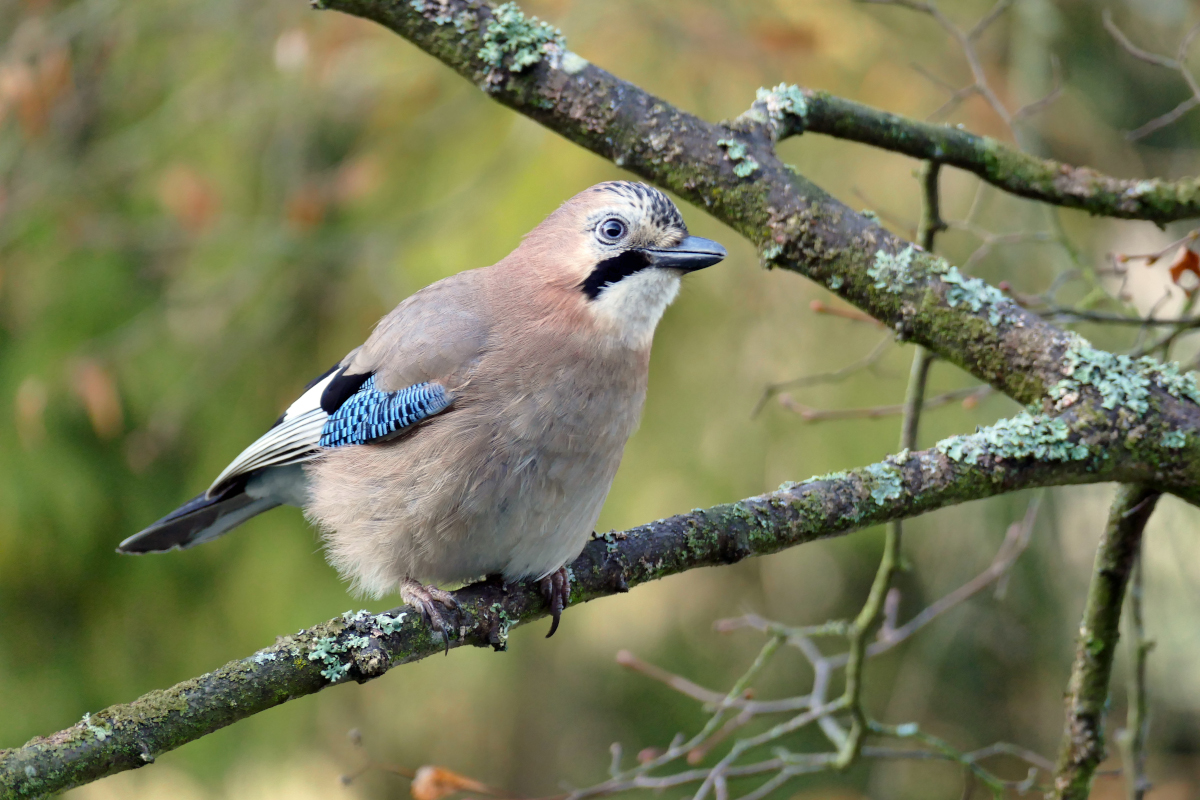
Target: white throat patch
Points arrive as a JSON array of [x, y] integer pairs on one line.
[[632, 307]]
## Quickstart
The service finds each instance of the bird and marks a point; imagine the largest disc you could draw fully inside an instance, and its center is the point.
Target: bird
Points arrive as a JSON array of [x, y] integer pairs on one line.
[[477, 430]]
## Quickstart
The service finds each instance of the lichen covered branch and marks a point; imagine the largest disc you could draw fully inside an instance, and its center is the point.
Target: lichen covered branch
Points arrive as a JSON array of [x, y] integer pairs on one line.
[[730, 714], [1093, 416], [1087, 693], [1000, 164], [1137, 719], [732, 171], [364, 646]]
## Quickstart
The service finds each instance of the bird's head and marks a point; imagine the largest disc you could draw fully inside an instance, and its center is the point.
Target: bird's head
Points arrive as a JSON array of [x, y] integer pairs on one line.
[[619, 250]]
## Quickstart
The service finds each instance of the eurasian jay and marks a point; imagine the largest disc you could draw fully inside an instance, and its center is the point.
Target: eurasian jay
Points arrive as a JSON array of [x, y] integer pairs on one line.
[[478, 429]]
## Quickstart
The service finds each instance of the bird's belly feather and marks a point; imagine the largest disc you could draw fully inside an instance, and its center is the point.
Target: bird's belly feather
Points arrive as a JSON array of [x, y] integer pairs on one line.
[[481, 490]]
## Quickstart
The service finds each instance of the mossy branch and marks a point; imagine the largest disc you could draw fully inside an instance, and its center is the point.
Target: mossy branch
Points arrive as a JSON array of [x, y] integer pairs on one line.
[[1105, 417], [732, 171], [997, 163], [365, 646], [1087, 693]]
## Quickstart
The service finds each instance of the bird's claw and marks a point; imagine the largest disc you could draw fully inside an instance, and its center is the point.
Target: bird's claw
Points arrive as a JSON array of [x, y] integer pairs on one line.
[[556, 588], [425, 600]]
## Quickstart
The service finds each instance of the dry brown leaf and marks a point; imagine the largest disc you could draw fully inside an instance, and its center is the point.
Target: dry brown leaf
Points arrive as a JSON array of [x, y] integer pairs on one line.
[[434, 783], [1186, 261]]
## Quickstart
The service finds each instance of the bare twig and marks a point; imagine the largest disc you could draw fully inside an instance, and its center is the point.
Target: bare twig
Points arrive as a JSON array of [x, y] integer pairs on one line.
[[866, 362], [1015, 541], [814, 707], [808, 414], [966, 42], [889, 562], [682, 685], [1177, 64], [845, 312], [1151, 258], [989, 240], [1045, 101]]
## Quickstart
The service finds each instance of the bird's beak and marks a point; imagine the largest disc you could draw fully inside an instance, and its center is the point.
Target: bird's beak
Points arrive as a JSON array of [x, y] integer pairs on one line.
[[691, 254]]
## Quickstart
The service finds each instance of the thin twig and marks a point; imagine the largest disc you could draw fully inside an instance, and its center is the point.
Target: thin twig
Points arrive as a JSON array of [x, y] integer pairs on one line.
[[966, 43], [1046, 100], [809, 414], [877, 352], [845, 312], [1177, 64], [1151, 258], [1015, 541]]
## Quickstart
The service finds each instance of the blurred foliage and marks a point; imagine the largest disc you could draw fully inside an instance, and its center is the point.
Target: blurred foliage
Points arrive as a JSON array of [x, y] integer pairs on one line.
[[204, 203]]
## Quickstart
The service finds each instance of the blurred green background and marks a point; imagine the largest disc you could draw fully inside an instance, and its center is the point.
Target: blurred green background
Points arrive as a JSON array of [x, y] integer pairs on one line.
[[205, 203]]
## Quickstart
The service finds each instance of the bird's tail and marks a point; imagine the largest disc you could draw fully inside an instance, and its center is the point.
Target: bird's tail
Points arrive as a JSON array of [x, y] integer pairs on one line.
[[199, 520]]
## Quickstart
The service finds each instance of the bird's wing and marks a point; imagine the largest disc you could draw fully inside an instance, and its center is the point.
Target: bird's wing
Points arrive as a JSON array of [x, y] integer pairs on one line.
[[403, 373]]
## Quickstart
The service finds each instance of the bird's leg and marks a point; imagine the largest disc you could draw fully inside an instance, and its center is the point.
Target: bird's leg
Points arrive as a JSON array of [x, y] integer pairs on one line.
[[556, 588], [423, 599]]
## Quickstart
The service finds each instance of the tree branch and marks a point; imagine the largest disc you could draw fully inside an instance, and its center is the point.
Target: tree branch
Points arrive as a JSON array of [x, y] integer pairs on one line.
[[366, 646], [1105, 417], [734, 173], [1137, 719], [997, 163], [1087, 693]]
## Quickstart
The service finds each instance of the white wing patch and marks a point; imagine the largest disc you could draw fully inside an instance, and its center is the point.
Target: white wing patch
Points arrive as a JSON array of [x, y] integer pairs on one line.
[[293, 440]]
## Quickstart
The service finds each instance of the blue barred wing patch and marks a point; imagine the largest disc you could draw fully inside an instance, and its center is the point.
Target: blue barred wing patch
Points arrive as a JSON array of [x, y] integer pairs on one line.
[[370, 414]]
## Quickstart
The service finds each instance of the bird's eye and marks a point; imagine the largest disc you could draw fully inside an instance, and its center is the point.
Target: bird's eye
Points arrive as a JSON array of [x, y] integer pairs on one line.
[[611, 229]]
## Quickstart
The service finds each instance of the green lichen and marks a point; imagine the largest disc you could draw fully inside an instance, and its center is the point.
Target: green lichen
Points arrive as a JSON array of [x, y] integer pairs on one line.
[[771, 251], [1122, 382], [390, 625], [974, 294], [511, 39], [101, 732], [784, 108], [506, 623], [836, 282], [1023, 436], [610, 541], [828, 476], [892, 271], [746, 168], [1181, 385], [1174, 440], [330, 649], [884, 481], [871, 215], [744, 164], [573, 63]]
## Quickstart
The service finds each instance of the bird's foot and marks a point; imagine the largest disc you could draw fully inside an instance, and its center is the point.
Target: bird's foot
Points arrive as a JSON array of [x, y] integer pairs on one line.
[[425, 599], [556, 588]]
